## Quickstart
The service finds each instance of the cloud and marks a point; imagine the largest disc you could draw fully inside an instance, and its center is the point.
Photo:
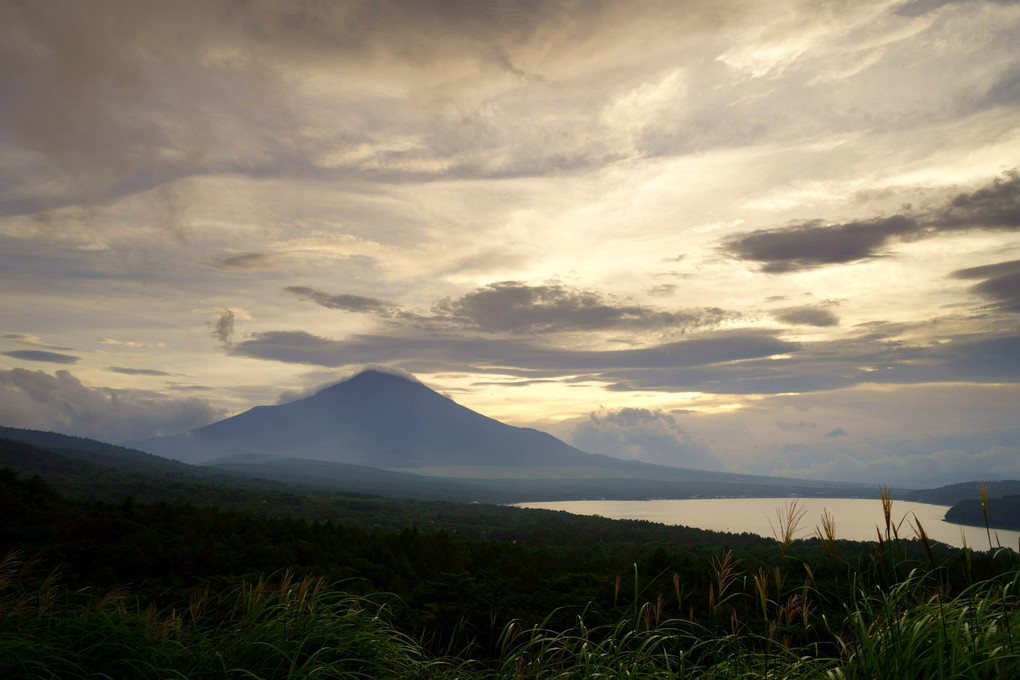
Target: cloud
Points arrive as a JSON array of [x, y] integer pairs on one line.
[[996, 206], [347, 303], [917, 470], [39, 355], [838, 432], [835, 364], [223, 328], [664, 289], [1001, 283], [431, 353], [512, 306], [137, 371], [515, 307], [642, 434], [806, 316], [29, 340], [916, 8], [247, 262], [814, 244], [95, 93], [132, 343], [61, 403], [722, 362], [24, 339]]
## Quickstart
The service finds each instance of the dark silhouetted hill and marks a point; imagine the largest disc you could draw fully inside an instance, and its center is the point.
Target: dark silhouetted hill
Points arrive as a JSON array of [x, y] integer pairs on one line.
[[1003, 513]]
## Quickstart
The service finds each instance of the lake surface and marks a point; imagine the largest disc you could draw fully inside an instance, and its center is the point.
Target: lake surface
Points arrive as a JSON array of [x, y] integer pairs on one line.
[[856, 518]]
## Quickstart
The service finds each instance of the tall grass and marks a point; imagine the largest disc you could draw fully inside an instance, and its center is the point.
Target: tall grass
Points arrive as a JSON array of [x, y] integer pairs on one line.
[[285, 629]]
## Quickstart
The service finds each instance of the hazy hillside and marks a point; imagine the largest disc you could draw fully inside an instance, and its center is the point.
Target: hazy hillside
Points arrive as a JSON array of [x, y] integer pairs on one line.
[[954, 493], [84, 464]]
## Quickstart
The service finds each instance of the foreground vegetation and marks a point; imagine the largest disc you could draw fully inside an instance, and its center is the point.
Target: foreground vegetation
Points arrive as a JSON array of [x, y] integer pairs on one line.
[[99, 589], [305, 628]]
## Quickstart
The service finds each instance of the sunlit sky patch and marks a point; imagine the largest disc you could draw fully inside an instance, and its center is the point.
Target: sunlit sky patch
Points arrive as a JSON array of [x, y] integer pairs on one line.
[[775, 237]]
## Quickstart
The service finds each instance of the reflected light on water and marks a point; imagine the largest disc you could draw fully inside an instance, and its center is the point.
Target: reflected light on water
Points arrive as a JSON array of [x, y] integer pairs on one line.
[[856, 518]]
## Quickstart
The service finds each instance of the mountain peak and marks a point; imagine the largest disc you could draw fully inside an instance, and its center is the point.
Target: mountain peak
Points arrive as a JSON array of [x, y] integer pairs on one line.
[[380, 374], [372, 378]]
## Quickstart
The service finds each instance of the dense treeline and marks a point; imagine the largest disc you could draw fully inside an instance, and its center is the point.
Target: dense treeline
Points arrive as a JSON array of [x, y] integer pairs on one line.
[[448, 565]]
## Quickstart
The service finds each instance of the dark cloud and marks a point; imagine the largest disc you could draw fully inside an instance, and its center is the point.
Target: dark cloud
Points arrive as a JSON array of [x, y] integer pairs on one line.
[[190, 388], [815, 244], [223, 328], [39, 355], [439, 352], [806, 316], [247, 262], [838, 432], [838, 364], [642, 434], [1001, 283], [347, 303], [996, 206], [61, 403], [772, 376], [515, 307], [512, 306], [663, 290], [727, 362], [136, 371]]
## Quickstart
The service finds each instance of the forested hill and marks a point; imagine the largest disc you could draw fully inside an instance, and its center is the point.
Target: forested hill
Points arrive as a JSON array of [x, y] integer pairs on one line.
[[1003, 513]]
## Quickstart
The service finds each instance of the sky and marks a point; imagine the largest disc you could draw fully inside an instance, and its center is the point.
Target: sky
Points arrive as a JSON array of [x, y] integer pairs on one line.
[[761, 236]]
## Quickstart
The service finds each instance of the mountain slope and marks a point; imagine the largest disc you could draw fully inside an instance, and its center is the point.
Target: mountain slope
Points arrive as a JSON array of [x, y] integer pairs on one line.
[[96, 452], [374, 419]]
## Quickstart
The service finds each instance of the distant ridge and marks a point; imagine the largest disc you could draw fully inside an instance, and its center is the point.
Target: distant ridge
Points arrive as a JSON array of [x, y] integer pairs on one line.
[[374, 419], [952, 494]]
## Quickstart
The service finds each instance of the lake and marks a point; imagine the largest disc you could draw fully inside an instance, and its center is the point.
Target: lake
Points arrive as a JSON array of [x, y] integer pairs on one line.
[[855, 518]]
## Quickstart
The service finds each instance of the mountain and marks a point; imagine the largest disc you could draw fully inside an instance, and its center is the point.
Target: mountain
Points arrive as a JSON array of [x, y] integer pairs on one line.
[[374, 419], [348, 435]]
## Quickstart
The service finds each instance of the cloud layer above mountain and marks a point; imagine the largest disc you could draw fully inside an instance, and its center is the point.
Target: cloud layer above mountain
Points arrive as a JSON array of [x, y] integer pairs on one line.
[[562, 214]]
